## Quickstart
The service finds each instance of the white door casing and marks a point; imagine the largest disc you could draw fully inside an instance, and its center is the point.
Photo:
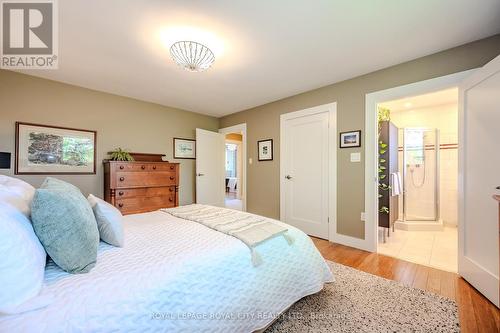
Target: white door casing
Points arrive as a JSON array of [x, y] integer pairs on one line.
[[210, 168], [308, 169], [479, 175]]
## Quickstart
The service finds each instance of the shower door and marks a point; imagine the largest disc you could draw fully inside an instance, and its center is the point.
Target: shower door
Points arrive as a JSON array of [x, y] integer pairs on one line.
[[420, 174]]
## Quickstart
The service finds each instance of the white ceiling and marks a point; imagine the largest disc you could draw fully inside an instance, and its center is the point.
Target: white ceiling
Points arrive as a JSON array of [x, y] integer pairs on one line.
[[442, 97], [266, 50]]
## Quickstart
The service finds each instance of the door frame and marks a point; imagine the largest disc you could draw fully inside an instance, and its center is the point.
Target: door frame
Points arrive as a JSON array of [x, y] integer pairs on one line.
[[370, 243], [240, 128], [332, 161]]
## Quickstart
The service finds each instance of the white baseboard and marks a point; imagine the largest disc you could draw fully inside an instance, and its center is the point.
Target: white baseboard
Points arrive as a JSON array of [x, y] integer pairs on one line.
[[352, 242]]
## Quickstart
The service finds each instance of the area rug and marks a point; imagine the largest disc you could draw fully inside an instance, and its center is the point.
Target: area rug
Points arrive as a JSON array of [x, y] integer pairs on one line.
[[362, 302]]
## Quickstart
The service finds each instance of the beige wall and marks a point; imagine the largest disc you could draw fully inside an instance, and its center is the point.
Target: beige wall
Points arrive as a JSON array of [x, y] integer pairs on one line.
[[263, 123], [119, 122]]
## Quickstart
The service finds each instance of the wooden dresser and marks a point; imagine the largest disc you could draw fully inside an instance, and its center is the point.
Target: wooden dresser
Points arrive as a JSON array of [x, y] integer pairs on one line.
[[141, 186]]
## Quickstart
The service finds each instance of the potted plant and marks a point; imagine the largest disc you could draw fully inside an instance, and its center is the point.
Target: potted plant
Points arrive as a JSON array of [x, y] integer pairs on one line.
[[120, 155]]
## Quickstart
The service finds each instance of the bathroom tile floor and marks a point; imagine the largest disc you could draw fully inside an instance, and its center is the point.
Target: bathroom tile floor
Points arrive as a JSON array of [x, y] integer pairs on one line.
[[438, 249]]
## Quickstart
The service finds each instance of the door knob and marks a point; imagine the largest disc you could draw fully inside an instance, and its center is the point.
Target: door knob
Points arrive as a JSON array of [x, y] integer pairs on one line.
[[498, 187], [200, 174], [288, 177]]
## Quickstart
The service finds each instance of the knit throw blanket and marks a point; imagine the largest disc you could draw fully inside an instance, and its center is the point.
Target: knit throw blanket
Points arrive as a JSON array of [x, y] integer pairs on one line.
[[249, 228]]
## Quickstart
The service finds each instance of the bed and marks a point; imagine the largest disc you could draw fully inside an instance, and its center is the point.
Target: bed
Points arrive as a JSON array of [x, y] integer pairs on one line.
[[175, 275]]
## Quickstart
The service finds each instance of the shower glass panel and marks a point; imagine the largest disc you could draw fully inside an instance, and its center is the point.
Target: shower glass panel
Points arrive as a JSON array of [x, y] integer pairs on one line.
[[420, 174]]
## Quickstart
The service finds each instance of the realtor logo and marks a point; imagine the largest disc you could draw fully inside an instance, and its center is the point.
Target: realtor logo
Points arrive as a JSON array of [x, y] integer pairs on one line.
[[29, 34]]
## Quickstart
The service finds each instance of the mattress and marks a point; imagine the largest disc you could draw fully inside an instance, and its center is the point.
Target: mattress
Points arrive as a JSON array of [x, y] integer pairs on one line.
[[175, 275]]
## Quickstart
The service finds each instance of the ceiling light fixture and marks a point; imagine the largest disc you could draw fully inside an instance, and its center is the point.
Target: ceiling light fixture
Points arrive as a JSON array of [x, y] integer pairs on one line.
[[192, 56]]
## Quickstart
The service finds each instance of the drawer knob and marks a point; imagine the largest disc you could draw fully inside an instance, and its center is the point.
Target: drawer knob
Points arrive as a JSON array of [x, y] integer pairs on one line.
[[170, 199], [143, 167], [121, 167], [171, 189], [120, 193], [172, 177], [154, 167], [171, 167], [122, 179], [120, 205]]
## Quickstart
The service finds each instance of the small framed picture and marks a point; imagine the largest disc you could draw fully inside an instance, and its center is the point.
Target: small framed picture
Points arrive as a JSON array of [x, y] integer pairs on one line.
[[184, 148], [265, 150], [350, 139], [44, 149]]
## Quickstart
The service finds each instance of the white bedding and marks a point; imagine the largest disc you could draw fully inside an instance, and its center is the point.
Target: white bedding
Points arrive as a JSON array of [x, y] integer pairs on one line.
[[175, 275]]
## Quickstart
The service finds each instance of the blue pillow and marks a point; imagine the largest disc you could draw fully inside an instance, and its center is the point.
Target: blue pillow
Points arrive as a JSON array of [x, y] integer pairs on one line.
[[65, 224], [54, 183]]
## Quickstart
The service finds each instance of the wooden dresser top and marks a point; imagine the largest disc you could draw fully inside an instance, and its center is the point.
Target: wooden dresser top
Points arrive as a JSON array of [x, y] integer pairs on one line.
[[139, 162]]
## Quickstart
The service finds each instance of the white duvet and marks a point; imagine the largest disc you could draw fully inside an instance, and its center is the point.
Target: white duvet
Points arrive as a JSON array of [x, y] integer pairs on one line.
[[174, 275]]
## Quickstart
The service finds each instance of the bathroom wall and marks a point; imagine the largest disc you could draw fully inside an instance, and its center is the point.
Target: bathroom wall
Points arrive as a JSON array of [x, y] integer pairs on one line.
[[445, 119]]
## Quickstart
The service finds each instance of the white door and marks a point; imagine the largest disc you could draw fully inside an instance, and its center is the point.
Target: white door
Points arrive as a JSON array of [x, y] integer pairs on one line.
[[210, 168], [480, 169], [305, 153]]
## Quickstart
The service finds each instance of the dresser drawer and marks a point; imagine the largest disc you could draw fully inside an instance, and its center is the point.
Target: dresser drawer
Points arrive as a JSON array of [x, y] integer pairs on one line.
[[144, 192], [162, 167], [145, 179], [144, 204], [131, 167]]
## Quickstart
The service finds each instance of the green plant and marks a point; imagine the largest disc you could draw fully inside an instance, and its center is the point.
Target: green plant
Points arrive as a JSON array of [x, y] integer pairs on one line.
[[120, 155], [383, 115]]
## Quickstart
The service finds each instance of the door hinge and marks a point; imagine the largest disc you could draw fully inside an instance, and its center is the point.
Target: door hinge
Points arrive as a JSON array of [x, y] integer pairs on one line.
[[328, 219]]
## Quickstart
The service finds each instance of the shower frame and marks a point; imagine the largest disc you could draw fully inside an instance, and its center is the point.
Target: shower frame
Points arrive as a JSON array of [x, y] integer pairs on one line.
[[437, 210]]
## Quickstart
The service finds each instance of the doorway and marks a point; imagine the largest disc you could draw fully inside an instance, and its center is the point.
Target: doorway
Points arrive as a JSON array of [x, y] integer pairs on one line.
[[418, 176], [235, 166], [233, 171], [308, 170]]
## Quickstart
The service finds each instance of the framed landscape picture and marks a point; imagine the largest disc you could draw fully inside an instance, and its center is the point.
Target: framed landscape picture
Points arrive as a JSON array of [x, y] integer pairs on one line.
[[184, 148], [350, 139], [42, 149], [265, 150]]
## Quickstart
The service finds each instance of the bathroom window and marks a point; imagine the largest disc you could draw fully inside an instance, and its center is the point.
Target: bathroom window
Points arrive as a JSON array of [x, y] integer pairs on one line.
[[415, 146], [231, 159]]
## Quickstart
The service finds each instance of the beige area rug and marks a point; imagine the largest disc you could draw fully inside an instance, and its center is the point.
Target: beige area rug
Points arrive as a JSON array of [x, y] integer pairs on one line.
[[362, 302]]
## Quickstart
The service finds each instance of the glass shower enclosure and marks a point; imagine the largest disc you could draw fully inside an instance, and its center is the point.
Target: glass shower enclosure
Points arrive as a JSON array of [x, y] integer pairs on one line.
[[420, 167]]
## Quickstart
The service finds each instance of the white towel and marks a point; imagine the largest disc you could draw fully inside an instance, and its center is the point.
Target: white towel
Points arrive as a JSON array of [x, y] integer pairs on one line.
[[396, 188], [232, 184]]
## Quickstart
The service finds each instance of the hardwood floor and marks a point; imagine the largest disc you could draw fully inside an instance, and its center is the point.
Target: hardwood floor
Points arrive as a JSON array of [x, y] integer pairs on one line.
[[476, 313]]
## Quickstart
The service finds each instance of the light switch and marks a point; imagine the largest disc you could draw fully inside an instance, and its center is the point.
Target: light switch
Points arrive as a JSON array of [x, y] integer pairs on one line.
[[355, 157], [250, 161]]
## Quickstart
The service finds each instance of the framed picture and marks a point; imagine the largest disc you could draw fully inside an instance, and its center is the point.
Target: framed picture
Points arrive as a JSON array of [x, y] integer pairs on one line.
[[184, 148], [350, 139], [265, 150], [43, 149]]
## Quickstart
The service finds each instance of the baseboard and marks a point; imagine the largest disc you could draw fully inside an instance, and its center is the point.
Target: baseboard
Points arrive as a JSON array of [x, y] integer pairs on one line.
[[357, 243]]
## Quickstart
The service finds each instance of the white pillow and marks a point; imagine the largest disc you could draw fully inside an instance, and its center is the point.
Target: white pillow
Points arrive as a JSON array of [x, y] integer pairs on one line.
[[18, 186], [15, 200], [22, 266], [109, 221], [17, 193]]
